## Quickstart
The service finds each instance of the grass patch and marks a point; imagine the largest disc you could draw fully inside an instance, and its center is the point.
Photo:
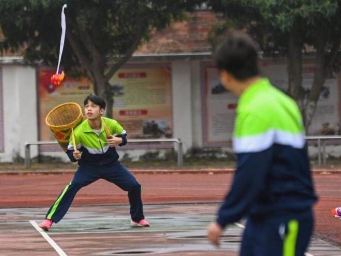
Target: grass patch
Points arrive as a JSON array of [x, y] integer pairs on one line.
[[143, 164]]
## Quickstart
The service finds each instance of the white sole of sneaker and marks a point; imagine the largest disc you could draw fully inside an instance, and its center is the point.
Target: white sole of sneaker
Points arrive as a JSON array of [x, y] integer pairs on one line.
[[134, 224]]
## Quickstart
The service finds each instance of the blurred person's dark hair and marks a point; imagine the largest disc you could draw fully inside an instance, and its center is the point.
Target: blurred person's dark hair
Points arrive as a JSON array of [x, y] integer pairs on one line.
[[238, 55]]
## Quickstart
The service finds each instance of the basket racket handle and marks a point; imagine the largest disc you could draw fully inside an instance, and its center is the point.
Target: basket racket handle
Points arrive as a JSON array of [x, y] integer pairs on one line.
[[73, 141], [106, 129]]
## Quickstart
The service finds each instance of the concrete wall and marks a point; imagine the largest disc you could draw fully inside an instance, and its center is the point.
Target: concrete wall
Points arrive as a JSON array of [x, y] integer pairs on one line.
[[19, 110], [196, 105], [182, 102]]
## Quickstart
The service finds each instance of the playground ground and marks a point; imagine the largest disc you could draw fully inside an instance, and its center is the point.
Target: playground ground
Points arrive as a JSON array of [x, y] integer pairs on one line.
[[179, 203]]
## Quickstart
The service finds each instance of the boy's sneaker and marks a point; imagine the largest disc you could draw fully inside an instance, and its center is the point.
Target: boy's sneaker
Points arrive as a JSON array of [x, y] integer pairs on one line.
[[46, 224], [141, 223]]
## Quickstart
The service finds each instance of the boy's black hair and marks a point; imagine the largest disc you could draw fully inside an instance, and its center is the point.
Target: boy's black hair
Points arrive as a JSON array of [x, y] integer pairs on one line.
[[95, 99], [238, 55]]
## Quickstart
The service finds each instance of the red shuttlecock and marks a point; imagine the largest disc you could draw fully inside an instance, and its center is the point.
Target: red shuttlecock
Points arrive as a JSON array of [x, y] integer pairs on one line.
[[58, 78]]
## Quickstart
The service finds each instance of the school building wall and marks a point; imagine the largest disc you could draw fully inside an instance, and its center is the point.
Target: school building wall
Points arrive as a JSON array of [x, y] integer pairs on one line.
[[19, 104], [19, 110]]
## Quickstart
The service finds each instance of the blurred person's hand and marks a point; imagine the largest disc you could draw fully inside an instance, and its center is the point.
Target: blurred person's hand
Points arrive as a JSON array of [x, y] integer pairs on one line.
[[214, 233]]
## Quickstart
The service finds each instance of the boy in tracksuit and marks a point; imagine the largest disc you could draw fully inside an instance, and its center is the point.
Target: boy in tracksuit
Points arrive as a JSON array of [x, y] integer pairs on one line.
[[97, 159], [272, 186]]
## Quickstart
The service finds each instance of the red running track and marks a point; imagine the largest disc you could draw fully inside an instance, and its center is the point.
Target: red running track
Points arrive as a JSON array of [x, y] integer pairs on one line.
[[40, 190]]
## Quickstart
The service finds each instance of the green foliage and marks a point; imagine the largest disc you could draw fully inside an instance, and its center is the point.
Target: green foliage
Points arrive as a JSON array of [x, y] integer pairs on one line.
[[149, 156], [271, 21], [99, 32], [287, 28], [17, 158], [209, 154], [46, 159]]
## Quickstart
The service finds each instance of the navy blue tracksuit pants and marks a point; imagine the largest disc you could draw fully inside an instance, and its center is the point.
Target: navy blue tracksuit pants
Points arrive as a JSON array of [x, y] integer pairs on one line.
[[278, 236], [88, 174]]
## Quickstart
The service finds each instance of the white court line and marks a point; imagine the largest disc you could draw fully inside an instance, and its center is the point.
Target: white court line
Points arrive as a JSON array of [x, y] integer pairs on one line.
[[242, 226], [48, 239]]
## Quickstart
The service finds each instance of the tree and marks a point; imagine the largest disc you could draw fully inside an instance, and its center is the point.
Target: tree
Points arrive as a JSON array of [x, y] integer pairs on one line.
[[101, 35], [287, 29]]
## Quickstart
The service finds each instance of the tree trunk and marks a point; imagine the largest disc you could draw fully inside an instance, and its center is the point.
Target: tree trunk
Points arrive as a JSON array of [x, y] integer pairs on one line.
[[109, 98], [295, 89], [102, 89], [311, 104], [319, 77]]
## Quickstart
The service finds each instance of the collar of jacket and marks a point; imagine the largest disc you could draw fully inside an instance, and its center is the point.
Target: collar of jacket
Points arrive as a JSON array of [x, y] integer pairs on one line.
[[87, 127]]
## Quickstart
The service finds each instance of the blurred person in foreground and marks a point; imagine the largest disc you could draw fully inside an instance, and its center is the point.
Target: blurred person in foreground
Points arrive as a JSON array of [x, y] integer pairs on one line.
[[97, 159], [272, 187]]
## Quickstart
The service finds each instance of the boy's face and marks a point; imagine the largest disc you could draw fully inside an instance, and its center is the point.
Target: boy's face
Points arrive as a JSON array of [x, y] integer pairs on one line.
[[93, 111]]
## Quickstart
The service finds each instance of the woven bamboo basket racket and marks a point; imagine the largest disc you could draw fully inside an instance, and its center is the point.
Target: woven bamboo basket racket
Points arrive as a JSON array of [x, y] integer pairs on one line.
[[62, 119]]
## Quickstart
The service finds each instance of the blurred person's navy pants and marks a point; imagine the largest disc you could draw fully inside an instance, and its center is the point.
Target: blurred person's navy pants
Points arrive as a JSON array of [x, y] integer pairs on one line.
[[278, 236]]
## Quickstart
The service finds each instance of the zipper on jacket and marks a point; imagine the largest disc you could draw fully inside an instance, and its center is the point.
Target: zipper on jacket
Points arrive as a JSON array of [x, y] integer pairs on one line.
[[99, 140]]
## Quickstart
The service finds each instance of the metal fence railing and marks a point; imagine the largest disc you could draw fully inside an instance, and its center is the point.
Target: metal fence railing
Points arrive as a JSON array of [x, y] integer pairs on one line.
[[321, 146], [169, 140]]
